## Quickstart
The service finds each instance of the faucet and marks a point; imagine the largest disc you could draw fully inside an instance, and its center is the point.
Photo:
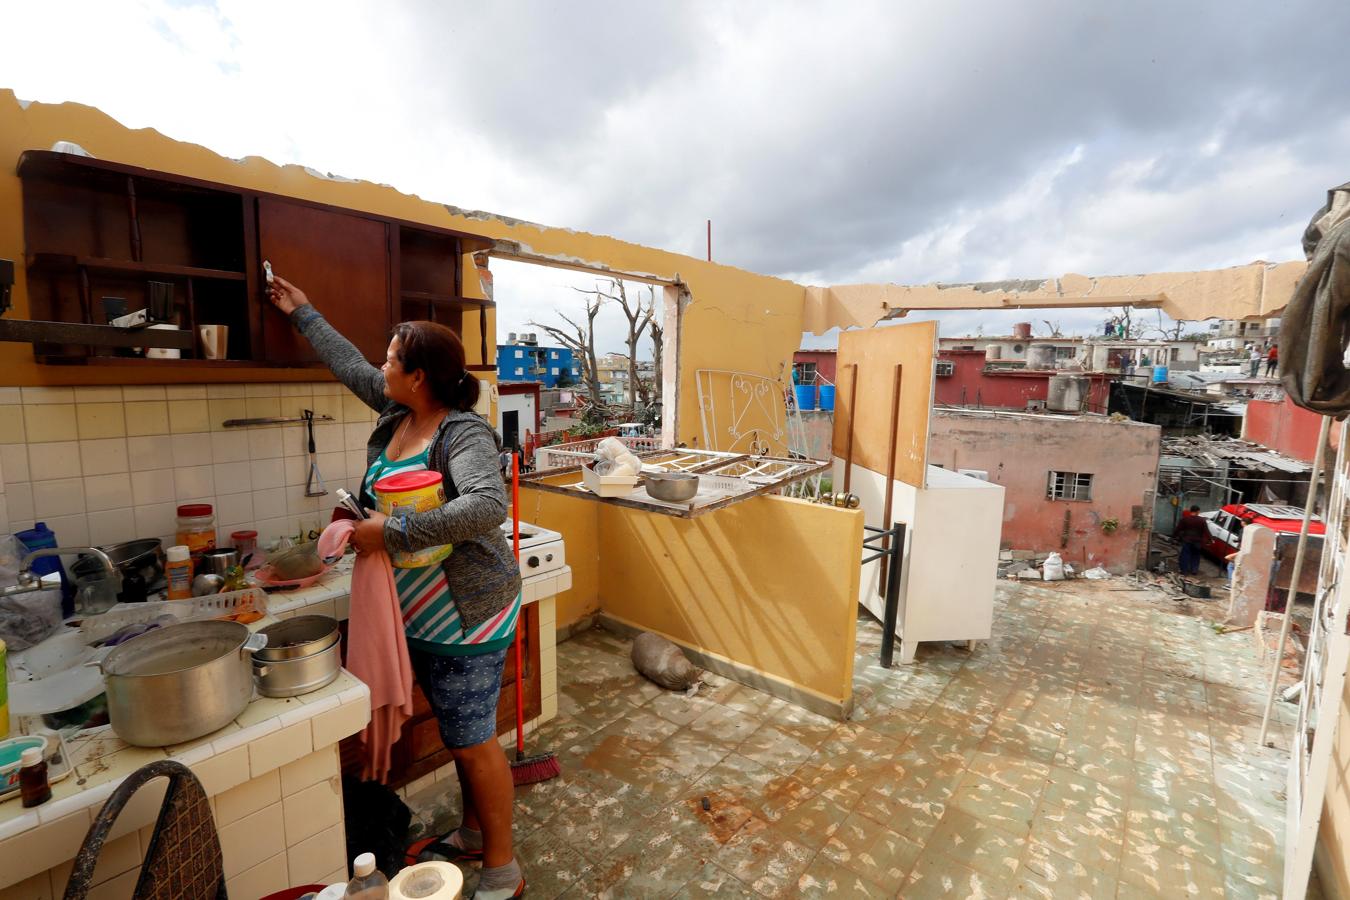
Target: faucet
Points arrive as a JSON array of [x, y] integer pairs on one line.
[[30, 582]]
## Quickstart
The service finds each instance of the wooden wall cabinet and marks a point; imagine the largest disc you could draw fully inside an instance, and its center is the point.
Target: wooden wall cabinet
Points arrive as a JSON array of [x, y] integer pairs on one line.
[[95, 229]]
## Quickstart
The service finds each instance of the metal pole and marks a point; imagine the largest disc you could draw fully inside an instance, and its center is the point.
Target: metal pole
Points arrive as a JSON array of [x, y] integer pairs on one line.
[[852, 413], [1296, 574], [892, 610], [710, 240], [890, 456]]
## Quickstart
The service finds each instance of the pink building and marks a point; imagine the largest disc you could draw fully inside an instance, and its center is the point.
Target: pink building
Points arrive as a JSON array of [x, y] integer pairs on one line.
[[814, 366], [1285, 427], [1081, 486]]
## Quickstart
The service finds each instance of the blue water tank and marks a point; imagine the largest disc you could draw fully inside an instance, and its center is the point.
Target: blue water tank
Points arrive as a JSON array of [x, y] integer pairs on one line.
[[40, 537], [827, 398], [806, 396], [1160, 374]]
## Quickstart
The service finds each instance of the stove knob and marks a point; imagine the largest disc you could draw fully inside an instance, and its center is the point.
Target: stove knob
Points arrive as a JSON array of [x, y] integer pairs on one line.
[[533, 562], [548, 557]]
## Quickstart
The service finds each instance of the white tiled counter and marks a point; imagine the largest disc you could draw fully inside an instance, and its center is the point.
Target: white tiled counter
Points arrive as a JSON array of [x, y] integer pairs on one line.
[[274, 785]]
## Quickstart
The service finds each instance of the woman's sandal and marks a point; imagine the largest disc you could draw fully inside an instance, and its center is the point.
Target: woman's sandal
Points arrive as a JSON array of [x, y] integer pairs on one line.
[[442, 849]]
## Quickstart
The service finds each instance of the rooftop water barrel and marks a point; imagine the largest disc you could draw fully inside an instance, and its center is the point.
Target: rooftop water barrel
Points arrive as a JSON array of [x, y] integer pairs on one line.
[[1040, 357], [806, 396], [1160, 375], [1067, 393], [827, 398]]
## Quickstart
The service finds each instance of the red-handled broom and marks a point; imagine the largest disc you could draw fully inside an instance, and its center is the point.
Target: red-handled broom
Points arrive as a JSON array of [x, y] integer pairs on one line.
[[540, 766]]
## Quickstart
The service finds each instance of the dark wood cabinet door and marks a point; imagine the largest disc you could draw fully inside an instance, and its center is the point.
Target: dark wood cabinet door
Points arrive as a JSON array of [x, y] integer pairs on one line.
[[340, 261]]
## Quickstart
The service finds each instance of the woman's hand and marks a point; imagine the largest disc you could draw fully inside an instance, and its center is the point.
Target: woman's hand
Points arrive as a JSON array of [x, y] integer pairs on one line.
[[286, 296], [368, 536]]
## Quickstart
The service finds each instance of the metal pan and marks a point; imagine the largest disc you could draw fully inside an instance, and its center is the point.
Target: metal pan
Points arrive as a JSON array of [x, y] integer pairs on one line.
[[297, 638]]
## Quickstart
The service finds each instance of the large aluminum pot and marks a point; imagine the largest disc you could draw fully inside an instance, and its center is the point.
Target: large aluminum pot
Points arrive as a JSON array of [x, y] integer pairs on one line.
[[300, 675], [180, 682]]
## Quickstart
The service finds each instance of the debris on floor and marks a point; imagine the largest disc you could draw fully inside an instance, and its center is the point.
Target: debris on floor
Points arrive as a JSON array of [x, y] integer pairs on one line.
[[1102, 743]]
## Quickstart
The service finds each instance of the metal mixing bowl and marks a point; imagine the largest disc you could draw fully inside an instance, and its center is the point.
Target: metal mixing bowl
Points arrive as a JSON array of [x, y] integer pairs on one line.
[[673, 487]]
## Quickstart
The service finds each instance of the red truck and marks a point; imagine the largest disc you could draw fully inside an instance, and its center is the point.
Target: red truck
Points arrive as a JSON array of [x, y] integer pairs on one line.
[[1225, 525]]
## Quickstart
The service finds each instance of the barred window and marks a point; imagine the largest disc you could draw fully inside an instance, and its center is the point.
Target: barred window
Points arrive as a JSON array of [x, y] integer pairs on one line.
[[1069, 486]]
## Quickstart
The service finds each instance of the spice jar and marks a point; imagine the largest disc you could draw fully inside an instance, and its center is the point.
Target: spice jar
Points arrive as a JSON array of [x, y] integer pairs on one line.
[[178, 572], [246, 545], [33, 785], [197, 528]]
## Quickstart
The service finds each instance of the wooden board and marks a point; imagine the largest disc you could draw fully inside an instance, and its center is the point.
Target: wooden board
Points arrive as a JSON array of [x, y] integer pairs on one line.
[[876, 352]]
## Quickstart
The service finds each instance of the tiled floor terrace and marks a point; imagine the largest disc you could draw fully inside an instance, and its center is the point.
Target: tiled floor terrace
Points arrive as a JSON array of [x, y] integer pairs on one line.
[[1102, 745]]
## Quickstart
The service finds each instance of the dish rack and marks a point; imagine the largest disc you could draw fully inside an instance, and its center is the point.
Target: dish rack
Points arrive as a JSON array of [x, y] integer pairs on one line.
[[212, 606]]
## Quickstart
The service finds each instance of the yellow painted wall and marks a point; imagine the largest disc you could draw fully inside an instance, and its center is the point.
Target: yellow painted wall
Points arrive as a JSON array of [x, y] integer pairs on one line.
[[1333, 862], [770, 583], [735, 320], [578, 521]]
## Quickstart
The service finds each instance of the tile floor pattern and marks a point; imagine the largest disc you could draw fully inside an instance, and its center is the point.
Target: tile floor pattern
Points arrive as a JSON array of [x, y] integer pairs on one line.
[[1099, 746]]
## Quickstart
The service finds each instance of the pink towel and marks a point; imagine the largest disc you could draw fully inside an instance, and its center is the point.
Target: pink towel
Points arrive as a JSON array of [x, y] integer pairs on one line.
[[377, 651]]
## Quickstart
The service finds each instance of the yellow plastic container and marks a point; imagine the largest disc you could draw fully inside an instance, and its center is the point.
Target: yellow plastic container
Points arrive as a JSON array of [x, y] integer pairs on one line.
[[412, 492]]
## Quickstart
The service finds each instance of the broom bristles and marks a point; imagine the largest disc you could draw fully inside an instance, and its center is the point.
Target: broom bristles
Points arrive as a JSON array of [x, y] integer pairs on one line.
[[533, 769]]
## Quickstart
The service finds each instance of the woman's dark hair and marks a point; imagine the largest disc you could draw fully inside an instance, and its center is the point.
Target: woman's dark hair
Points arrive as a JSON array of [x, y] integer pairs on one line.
[[437, 351]]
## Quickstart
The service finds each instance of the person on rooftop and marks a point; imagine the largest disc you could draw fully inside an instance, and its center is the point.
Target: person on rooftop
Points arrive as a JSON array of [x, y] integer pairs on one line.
[[1272, 360]]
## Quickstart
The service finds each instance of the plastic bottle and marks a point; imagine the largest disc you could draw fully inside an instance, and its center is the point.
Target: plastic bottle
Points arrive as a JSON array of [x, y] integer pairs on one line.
[[178, 572], [368, 882], [40, 537], [33, 785]]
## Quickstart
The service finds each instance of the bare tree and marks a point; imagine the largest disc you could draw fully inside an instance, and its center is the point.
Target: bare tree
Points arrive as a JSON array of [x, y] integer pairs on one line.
[[581, 341], [639, 317], [1053, 328], [1171, 332]]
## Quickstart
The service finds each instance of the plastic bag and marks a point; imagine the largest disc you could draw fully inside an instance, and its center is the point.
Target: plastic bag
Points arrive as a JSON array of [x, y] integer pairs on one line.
[[1053, 569], [29, 618], [621, 459], [1096, 573], [663, 662]]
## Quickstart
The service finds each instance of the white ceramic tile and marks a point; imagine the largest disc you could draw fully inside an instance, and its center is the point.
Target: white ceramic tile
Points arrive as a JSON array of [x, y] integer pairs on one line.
[[14, 462], [229, 446], [333, 468], [112, 526], [268, 473], [297, 470], [185, 392], [191, 450], [269, 389], [101, 394], [294, 438], [189, 416], [328, 389], [297, 504], [233, 510], [5, 527], [225, 392], [100, 420], [50, 422], [149, 417], [150, 453], [55, 460], [262, 407], [156, 519], [269, 504], [136, 392], [356, 464], [301, 390], [34, 395], [233, 478], [10, 396], [11, 425], [152, 487], [61, 497], [264, 443], [218, 412], [190, 482], [328, 436], [353, 410], [19, 501], [355, 435], [107, 491], [104, 456], [70, 530]]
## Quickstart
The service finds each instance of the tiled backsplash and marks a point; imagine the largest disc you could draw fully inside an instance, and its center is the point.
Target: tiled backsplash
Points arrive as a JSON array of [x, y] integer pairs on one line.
[[107, 464]]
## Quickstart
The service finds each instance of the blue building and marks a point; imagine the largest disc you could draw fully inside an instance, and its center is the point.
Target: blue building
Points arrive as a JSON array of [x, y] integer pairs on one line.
[[522, 359]]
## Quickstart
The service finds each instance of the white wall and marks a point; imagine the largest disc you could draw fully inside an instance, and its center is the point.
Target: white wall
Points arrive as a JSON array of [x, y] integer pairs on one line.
[[952, 544], [521, 403]]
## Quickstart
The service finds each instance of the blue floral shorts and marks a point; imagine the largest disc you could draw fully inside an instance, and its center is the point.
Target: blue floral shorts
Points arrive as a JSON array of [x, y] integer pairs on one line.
[[463, 692]]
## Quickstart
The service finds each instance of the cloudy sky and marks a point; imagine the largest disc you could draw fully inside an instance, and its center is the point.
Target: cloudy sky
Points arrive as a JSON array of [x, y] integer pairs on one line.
[[828, 142]]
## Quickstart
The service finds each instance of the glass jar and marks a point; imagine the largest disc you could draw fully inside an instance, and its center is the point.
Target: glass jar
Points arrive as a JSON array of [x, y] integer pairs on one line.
[[246, 545], [197, 528]]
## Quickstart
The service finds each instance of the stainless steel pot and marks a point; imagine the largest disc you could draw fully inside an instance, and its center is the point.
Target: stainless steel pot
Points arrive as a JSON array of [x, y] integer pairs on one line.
[[300, 675], [298, 637], [180, 682], [140, 562]]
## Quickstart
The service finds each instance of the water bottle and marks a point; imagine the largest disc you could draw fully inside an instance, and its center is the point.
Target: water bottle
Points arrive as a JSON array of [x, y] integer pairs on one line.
[[368, 882]]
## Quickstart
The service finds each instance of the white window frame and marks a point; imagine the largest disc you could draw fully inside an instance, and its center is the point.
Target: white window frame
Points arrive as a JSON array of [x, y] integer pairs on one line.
[[1070, 486]]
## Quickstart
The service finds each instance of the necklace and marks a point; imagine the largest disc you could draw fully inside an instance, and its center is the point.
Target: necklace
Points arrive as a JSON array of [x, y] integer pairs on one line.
[[406, 427]]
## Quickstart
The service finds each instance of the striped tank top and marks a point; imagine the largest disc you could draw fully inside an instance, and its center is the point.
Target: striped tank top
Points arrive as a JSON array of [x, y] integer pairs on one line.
[[430, 617]]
